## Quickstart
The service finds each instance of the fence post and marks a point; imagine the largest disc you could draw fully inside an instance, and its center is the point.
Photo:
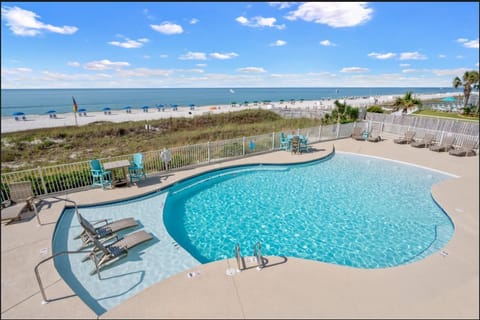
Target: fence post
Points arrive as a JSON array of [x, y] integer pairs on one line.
[[208, 151], [273, 140], [243, 146], [319, 132], [41, 179]]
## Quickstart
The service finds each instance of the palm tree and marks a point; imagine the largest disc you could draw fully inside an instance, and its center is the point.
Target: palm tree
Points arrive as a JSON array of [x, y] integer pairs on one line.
[[470, 78], [407, 101]]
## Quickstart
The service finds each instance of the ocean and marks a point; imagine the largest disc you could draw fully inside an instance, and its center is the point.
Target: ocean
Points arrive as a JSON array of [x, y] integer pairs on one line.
[[40, 101]]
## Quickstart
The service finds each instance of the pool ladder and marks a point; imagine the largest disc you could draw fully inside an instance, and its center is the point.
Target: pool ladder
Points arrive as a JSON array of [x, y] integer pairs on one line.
[[257, 253]]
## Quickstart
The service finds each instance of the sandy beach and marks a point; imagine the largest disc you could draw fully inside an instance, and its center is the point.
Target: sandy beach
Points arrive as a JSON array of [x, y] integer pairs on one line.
[[9, 124]]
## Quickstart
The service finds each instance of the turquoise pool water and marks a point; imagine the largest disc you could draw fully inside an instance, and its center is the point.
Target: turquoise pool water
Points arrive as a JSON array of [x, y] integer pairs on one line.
[[348, 209]]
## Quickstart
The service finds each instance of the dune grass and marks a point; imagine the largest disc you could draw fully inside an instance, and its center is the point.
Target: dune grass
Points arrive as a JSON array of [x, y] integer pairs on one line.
[[52, 146]]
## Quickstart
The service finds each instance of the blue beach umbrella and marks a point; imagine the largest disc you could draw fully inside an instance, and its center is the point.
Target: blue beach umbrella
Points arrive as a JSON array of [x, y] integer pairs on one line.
[[82, 110], [52, 113], [106, 110], [192, 106], [18, 114], [145, 108], [128, 109]]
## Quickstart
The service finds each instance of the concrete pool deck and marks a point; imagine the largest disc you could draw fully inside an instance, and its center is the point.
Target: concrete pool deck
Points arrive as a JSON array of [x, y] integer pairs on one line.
[[440, 286]]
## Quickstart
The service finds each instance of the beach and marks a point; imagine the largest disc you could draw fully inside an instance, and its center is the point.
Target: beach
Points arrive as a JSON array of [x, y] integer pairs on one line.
[[10, 124]]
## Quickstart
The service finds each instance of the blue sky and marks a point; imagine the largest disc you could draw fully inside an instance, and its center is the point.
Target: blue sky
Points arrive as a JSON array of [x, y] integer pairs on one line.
[[237, 44]]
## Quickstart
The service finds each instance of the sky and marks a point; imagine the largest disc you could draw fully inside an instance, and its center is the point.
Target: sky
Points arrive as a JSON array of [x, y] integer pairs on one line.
[[237, 44]]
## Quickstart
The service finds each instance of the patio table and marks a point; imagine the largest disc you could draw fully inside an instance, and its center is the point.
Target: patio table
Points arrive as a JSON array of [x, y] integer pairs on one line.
[[120, 164]]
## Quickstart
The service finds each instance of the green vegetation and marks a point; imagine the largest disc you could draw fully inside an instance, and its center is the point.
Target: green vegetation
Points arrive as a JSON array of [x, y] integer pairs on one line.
[[470, 80], [375, 109], [342, 113], [52, 146], [452, 115], [407, 101]]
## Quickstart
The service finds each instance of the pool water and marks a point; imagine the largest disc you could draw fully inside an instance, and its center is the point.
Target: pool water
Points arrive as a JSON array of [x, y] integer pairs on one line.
[[348, 209]]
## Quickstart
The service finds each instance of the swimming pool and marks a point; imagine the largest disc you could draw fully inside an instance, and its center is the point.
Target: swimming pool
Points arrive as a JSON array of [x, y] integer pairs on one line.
[[350, 210]]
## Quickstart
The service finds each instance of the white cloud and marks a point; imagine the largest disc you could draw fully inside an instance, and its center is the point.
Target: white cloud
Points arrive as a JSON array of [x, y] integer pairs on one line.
[[143, 72], [193, 56], [25, 23], [441, 56], [73, 64], [167, 28], [282, 5], [382, 56], [473, 44], [459, 56], [16, 70], [327, 43], [410, 70], [163, 56], [252, 70], [194, 21], [129, 44], [201, 65], [259, 22], [461, 40], [333, 14], [404, 64], [147, 14], [354, 70], [223, 56], [449, 72], [104, 65], [278, 43], [412, 56]]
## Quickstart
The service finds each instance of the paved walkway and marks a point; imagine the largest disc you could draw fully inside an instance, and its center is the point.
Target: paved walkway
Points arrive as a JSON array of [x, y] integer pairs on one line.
[[437, 287]]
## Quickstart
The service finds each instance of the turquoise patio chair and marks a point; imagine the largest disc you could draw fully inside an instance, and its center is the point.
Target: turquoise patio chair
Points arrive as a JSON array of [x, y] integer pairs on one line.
[[100, 177], [304, 147], [284, 142], [137, 170]]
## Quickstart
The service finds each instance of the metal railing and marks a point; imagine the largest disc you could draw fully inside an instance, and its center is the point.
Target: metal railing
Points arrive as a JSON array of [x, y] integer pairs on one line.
[[257, 253]]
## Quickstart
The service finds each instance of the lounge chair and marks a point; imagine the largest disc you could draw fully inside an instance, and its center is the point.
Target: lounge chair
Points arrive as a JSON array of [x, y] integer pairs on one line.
[[136, 170], [425, 142], [103, 255], [465, 150], [407, 138], [446, 145], [104, 232], [100, 177], [22, 196], [357, 133], [374, 136]]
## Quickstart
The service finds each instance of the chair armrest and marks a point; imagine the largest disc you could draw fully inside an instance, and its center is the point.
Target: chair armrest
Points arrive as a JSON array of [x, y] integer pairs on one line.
[[100, 221]]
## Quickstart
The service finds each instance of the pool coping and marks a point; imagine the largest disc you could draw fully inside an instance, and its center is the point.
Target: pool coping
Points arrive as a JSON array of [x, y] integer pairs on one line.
[[438, 286]]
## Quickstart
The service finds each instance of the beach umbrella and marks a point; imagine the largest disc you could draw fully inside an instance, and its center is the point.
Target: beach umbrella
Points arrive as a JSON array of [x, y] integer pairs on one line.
[[128, 109], [145, 108], [52, 113], [106, 110], [449, 99], [174, 106], [192, 106], [17, 114], [80, 111]]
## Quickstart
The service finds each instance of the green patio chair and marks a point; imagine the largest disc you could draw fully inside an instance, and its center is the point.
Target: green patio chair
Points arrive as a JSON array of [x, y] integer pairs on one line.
[[137, 170], [100, 177]]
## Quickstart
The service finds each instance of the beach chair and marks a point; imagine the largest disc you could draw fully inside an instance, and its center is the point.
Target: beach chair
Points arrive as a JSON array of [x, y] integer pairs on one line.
[[22, 196], [357, 133], [446, 145], [425, 142], [374, 136], [465, 150], [105, 254], [284, 144], [100, 177], [406, 139], [137, 170], [304, 144], [104, 232]]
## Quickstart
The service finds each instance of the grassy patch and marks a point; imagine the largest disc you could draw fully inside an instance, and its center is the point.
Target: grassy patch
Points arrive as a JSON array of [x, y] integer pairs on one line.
[[103, 139], [451, 115]]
